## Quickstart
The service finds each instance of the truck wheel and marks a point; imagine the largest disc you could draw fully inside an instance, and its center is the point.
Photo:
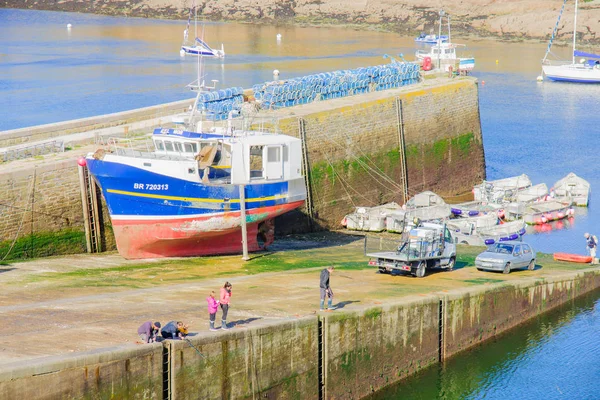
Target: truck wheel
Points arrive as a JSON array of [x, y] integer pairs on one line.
[[451, 263], [506, 269], [420, 272], [382, 270], [531, 266]]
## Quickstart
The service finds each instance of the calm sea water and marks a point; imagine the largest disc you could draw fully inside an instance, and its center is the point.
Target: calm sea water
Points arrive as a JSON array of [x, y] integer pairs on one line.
[[554, 356], [49, 73], [102, 65]]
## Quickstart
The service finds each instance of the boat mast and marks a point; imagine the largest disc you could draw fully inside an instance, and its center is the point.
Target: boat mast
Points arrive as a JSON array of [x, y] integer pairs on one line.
[[575, 30], [439, 39]]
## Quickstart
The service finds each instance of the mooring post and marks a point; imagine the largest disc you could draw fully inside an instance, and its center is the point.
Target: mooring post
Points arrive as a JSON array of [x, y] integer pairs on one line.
[[243, 220], [402, 150]]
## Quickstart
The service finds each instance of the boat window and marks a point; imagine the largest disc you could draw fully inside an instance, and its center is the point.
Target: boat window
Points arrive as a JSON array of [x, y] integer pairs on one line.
[[190, 147], [168, 145], [159, 145], [256, 162], [178, 147], [274, 154], [436, 51], [448, 51]]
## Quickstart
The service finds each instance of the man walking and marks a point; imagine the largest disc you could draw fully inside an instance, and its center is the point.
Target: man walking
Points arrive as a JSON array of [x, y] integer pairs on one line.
[[592, 244], [326, 289]]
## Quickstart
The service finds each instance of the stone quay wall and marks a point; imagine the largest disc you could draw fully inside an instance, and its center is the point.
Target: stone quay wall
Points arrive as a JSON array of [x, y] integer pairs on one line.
[[353, 153], [342, 355]]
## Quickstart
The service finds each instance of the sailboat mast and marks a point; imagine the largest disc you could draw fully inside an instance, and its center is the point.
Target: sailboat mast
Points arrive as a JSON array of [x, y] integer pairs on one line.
[[575, 30]]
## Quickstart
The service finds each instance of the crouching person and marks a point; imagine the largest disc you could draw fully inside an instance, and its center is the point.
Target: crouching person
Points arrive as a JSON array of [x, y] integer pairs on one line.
[[148, 331], [174, 330]]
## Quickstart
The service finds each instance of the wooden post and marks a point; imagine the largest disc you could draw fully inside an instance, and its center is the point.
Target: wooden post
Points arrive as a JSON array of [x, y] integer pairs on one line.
[[243, 220]]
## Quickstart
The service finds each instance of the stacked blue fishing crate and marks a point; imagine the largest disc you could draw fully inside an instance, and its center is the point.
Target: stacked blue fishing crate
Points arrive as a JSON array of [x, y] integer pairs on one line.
[[218, 104], [332, 85]]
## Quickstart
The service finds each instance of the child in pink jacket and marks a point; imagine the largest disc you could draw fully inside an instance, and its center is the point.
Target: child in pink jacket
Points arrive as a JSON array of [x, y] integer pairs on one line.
[[213, 306]]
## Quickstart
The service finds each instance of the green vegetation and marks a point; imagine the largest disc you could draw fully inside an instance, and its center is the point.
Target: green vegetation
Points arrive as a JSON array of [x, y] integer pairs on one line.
[[463, 143], [43, 244]]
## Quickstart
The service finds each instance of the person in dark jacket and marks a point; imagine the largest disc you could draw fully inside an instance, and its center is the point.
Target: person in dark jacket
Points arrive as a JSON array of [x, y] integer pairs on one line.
[[148, 331], [174, 330], [326, 289]]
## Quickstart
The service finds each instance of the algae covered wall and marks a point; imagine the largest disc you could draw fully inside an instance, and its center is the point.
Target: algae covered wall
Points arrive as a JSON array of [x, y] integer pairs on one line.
[[475, 315], [347, 354], [369, 349], [353, 145], [126, 373], [275, 362]]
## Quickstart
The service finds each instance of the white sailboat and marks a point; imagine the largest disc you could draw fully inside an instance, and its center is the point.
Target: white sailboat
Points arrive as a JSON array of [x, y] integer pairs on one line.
[[587, 70], [198, 46]]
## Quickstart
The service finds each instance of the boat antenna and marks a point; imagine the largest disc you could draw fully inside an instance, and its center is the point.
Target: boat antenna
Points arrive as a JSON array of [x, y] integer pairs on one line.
[[554, 32]]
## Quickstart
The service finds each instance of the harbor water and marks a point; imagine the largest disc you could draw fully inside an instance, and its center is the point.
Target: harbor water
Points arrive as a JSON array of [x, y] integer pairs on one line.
[[50, 73]]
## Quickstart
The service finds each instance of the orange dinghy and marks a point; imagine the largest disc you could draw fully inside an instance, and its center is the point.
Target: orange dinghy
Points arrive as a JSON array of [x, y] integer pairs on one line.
[[572, 258]]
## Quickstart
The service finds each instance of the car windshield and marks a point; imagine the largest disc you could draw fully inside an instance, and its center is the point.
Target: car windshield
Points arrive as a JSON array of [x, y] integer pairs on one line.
[[503, 249]]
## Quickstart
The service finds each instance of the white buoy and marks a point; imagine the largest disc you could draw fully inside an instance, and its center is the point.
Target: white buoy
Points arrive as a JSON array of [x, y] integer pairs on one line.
[[182, 53], [69, 26], [540, 78], [279, 36], [275, 72]]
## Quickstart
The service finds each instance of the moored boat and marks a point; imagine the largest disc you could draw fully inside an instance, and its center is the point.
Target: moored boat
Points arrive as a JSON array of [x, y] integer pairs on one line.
[[431, 38], [165, 203], [498, 191], [572, 188], [572, 258], [546, 211], [370, 218]]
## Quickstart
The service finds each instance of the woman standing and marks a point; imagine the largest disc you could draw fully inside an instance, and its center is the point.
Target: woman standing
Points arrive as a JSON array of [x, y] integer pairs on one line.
[[224, 300]]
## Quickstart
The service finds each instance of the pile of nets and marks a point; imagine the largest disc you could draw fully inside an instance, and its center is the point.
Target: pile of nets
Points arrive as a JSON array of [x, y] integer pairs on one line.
[[332, 85], [218, 104]]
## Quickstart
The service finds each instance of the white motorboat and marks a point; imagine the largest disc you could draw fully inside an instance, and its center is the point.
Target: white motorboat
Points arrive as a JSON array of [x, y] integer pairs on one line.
[[499, 190], [573, 189], [370, 218], [443, 53]]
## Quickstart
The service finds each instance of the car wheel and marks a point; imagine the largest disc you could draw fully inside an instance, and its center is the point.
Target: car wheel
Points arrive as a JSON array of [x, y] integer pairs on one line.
[[451, 263], [479, 269], [531, 266], [506, 269], [420, 272]]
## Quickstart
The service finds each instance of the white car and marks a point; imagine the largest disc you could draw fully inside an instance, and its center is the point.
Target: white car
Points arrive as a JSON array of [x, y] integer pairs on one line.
[[506, 256]]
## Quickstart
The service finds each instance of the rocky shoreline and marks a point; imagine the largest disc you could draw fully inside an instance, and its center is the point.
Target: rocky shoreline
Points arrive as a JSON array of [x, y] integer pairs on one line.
[[505, 20]]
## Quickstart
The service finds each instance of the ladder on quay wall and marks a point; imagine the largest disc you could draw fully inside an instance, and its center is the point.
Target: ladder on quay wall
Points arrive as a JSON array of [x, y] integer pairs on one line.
[[91, 217], [306, 172]]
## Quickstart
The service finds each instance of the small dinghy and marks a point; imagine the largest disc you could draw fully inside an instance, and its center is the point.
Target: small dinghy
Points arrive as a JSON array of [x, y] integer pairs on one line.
[[497, 191], [573, 189], [572, 258], [369, 218], [426, 206]]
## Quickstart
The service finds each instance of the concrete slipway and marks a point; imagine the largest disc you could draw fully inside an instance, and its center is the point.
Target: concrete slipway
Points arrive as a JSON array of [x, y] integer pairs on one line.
[[61, 306]]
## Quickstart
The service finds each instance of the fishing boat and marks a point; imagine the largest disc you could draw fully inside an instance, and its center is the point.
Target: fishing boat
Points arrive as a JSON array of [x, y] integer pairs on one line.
[[431, 38], [443, 53], [572, 188], [166, 204], [498, 190], [198, 46], [584, 70]]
